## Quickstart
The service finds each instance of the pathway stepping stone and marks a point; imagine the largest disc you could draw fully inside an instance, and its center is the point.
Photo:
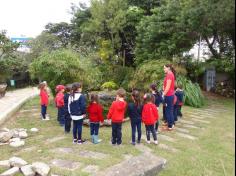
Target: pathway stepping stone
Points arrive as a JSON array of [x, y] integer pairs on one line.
[[186, 121], [166, 147], [166, 138], [202, 115], [143, 148], [182, 130], [65, 164], [190, 126], [91, 169], [186, 136], [203, 121], [11, 172], [91, 154], [55, 139], [63, 150]]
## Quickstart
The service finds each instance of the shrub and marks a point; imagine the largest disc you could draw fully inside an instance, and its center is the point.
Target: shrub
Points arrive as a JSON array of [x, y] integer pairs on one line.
[[109, 85]]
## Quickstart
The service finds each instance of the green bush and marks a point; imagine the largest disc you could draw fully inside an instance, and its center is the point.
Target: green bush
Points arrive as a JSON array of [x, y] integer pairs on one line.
[[109, 85], [64, 67]]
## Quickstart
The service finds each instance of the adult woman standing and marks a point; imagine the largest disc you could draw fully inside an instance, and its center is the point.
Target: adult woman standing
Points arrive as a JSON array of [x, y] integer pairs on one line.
[[168, 92]]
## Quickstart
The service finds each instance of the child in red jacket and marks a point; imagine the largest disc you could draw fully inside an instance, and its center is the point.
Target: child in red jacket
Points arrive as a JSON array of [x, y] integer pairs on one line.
[[150, 117], [116, 114], [59, 100], [95, 116], [43, 99]]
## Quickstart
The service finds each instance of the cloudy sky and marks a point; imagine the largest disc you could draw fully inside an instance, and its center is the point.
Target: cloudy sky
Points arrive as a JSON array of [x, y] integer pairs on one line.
[[28, 17]]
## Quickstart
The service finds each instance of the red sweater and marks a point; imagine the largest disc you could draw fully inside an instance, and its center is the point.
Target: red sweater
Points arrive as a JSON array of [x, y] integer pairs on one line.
[[95, 112], [43, 97], [117, 111], [59, 100], [149, 114]]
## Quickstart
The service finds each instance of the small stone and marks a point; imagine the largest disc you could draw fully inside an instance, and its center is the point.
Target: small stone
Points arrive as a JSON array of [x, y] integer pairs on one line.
[[40, 168], [14, 140], [5, 164], [6, 136], [65, 164], [17, 144], [17, 162], [27, 170], [11, 172], [34, 130], [23, 134]]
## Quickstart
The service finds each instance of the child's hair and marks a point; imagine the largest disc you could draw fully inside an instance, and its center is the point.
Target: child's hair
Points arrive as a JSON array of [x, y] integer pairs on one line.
[[179, 86], [94, 97], [121, 92], [153, 86], [68, 88], [171, 68], [148, 97], [74, 88], [41, 85], [136, 95]]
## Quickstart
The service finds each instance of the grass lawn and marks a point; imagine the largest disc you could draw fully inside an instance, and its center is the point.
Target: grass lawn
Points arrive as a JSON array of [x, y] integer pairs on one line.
[[211, 154]]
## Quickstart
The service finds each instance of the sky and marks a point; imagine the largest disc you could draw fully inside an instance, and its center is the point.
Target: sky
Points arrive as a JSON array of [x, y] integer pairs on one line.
[[28, 17]]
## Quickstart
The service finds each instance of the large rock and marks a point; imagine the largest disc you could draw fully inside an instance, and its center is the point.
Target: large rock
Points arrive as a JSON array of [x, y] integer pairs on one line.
[[41, 169], [17, 162], [6, 136], [11, 172], [23, 134], [5, 164], [17, 144], [14, 140], [4, 130], [27, 170]]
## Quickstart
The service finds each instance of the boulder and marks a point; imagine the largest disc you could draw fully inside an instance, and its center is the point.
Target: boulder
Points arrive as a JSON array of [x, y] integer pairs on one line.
[[4, 130], [17, 144], [6, 136], [17, 162], [27, 170], [11, 172], [23, 134], [5, 164], [15, 134], [40, 168], [34, 130], [14, 140]]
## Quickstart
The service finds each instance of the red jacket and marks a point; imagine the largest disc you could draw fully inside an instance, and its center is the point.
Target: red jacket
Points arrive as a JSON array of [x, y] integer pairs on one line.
[[95, 112], [117, 111], [59, 100], [43, 97], [149, 114]]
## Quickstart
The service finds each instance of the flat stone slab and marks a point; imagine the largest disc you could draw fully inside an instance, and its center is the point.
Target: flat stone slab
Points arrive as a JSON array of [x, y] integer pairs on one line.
[[166, 138], [166, 147], [186, 121], [204, 116], [186, 136], [55, 139], [63, 150], [91, 154], [146, 164], [190, 126], [202, 121], [181, 130], [65, 164], [91, 169]]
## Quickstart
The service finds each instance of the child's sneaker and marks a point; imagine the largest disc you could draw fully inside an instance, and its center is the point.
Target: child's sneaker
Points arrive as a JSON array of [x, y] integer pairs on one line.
[[156, 142], [75, 141], [149, 142]]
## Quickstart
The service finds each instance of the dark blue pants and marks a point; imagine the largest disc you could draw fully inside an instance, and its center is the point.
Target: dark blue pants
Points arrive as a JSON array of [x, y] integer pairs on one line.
[[164, 113], [77, 129], [169, 111], [179, 113], [67, 122], [175, 113], [157, 125], [43, 111], [116, 133], [61, 116], [150, 129], [136, 125], [94, 128]]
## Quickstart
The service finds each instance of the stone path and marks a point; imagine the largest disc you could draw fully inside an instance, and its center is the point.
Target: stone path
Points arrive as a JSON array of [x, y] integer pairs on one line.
[[13, 100]]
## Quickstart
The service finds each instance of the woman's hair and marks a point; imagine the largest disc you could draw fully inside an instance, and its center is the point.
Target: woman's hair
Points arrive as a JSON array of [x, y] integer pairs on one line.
[[171, 68], [74, 88], [94, 97], [148, 97], [136, 95], [153, 86], [68, 88], [41, 85]]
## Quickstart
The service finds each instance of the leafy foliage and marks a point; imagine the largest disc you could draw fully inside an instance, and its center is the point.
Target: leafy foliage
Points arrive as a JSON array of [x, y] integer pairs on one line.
[[109, 85]]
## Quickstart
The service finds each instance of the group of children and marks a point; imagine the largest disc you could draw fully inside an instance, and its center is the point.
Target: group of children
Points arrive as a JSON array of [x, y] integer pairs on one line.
[[71, 104]]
